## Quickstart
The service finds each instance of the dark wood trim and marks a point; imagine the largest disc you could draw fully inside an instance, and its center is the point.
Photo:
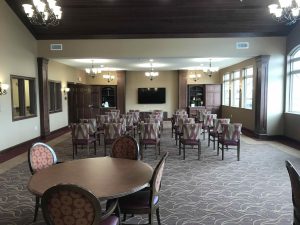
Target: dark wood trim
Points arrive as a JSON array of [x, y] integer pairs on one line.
[[121, 80], [182, 88], [18, 149], [261, 95], [43, 96]]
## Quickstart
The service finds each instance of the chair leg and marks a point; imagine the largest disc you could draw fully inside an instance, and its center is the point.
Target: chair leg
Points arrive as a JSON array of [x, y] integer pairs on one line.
[[156, 149], [159, 147], [176, 138], [183, 151], [124, 217], [158, 216], [179, 152], [218, 147], [238, 152], [214, 140], [222, 152], [73, 151], [208, 140], [150, 216], [95, 147], [104, 149], [199, 149], [36, 208], [142, 150]]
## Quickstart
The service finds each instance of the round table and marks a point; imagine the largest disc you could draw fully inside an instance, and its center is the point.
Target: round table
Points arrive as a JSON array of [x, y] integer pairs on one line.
[[105, 177]]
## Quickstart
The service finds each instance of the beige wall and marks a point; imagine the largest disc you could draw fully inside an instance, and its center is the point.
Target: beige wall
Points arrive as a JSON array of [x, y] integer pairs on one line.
[[166, 79], [99, 80], [292, 120], [18, 52], [65, 74], [204, 79]]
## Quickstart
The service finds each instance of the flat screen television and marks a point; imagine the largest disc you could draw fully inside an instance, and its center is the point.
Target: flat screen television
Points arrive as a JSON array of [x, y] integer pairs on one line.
[[151, 95]]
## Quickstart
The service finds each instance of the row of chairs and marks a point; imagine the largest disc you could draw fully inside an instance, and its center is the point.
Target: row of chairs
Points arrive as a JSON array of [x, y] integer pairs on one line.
[[146, 201], [220, 130]]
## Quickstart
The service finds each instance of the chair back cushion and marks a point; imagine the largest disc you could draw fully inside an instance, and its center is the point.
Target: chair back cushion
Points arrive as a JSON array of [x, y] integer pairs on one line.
[[217, 128], [129, 120], [295, 184], [208, 119], [155, 183], [125, 147], [181, 111], [101, 120], [159, 114], [136, 117], [200, 113], [231, 131], [80, 131], [93, 124], [112, 131], [191, 131], [184, 120], [40, 156], [178, 116], [111, 116], [70, 204], [149, 131], [116, 111]]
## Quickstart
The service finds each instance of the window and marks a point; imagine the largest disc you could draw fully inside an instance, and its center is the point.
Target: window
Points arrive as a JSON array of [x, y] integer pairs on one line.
[[247, 88], [23, 97], [54, 96], [226, 87], [235, 100], [294, 82]]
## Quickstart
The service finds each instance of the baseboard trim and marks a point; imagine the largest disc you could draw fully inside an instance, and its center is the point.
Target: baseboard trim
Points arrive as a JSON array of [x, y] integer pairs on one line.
[[18, 149]]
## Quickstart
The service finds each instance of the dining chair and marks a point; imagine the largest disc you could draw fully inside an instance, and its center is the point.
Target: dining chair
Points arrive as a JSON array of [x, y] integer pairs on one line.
[[125, 147], [231, 134], [174, 121], [191, 133], [40, 156], [149, 135], [129, 124], [111, 132], [93, 127], [216, 130], [160, 117], [116, 111], [295, 185], [145, 201], [208, 122], [65, 204], [181, 121], [81, 136]]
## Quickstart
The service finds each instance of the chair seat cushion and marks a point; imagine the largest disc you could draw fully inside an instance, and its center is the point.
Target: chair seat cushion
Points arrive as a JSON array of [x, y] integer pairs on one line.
[[149, 141], [189, 142], [84, 141], [112, 220], [228, 142], [213, 134], [138, 200]]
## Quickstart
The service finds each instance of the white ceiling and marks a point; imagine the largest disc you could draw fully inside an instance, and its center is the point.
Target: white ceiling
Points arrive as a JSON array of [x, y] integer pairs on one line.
[[160, 64]]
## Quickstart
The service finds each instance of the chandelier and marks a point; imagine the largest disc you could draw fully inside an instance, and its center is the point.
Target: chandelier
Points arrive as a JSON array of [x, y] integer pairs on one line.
[[3, 88], [195, 76], [151, 74], [92, 70], [108, 77], [42, 12], [210, 70], [286, 12]]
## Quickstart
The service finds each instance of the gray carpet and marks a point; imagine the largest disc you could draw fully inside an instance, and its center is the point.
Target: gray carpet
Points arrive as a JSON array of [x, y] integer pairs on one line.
[[255, 190]]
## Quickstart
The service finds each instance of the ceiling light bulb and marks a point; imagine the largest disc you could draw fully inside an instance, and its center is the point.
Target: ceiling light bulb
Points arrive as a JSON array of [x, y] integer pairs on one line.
[[273, 8], [36, 2], [295, 12], [278, 12], [46, 15], [285, 3], [51, 3], [87, 70], [41, 7], [27, 8]]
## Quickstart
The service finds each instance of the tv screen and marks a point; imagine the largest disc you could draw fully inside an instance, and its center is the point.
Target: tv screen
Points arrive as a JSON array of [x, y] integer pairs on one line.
[[151, 95]]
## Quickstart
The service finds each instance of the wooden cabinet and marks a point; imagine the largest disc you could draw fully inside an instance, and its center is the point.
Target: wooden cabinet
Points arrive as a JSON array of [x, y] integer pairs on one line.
[[204, 96]]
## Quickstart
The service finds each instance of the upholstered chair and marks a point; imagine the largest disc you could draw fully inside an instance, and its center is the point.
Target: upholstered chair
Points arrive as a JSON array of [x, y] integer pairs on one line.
[[216, 130], [136, 117], [116, 111], [208, 122], [81, 136], [111, 115], [231, 134], [40, 156], [121, 120], [181, 121], [129, 124], [125, 147], [160, 117], [93, 127], [71, 204], [145, 201], [191, 133], [101, 120], [200, 115], [176, 119], [111, 132], [295, 184], [149, 135]]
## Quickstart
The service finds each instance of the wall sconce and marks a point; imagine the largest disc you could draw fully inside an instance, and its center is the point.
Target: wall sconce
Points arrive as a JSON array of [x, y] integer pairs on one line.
[[65, 90], [195, 77], [108, 77], [3, 88]]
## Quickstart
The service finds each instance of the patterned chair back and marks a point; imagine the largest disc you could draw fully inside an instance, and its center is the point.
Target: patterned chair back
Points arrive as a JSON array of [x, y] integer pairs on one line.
[[40, 156], [208, 119], [113, 130], [149, 131], [136, 117], [155, 182], [295, 184], [231, 131], [217, 128], [101, 120], [111, 116], [92, 122], [125, 147], [80, 131], [66, 204], [191, 131], [153, 118], [179, 116], [181, 111], [182, 121], [159, 114], [116, 111], [129, 120], [200, 114]]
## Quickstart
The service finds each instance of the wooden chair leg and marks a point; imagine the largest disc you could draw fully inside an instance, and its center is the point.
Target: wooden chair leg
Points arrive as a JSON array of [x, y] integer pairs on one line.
[[158, 216], [183, 151], [95, 147], [104, 148], [159, 147], [218, 147], [156, 149], [124, 217], [214, 140], [179, 152], [222, 152], [238, 152], [199, 149], [208, 140], [150, 216], [73, 146], [36, 208]]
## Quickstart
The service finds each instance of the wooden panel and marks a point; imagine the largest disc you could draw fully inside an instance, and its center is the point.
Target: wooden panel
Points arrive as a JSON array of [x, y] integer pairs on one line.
[[182, 89], [121, 76], [157, 18]]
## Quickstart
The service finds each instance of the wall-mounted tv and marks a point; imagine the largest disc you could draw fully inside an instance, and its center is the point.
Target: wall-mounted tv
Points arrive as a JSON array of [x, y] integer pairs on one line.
[[151, 95]]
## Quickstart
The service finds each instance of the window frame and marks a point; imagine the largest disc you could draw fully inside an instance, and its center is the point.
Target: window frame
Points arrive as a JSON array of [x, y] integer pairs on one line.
[[22, 97], [227, 81], [232, 88], [54, 104], [244, 89]]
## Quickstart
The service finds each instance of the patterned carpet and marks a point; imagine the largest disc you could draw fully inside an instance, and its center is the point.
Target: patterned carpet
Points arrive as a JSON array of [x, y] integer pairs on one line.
[[255, 190]]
